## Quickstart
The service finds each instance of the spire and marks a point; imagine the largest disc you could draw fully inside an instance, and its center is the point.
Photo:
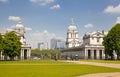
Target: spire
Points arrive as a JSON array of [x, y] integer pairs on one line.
[[72, 22]]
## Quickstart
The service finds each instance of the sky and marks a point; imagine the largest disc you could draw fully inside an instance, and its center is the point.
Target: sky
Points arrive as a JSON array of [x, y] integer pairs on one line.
[[46, 19]]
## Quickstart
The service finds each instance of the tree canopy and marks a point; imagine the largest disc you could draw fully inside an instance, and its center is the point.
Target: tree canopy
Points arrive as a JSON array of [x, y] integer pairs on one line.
[[11, 45], [46, 54], [112, 41], [1, 42]]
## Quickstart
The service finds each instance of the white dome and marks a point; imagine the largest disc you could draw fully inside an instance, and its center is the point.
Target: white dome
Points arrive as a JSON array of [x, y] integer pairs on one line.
[[87, 34], [19, 25], [72, 27]]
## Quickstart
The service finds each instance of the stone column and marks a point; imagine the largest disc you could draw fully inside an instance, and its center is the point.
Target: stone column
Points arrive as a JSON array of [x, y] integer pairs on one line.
[[97, 54], [92, 54], [28, 53], [103, 54], [22, 54], [86, 53], [2, 56]]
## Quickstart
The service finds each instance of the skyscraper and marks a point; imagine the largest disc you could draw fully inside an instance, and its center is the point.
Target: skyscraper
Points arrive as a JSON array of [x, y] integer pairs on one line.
[[43, 45], [57, 44]]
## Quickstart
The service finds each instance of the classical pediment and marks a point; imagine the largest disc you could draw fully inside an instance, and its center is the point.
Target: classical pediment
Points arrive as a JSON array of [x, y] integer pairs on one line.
[[97, 34]]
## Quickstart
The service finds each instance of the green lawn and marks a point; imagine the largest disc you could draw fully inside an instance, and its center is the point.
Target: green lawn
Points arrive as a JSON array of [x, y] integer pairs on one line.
[[48, 68], [103, 61]]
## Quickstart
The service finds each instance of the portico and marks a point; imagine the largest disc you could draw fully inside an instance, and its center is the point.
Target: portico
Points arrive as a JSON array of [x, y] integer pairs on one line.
[[94, 52], [25, 53]]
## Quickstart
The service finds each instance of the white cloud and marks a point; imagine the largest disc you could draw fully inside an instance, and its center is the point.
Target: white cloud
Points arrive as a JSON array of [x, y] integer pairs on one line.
[[44, 36], [42, 2], [118, 20], [55, 7], [112, 9], [28, 29], [2, 1], [14, 18], [88, 25]]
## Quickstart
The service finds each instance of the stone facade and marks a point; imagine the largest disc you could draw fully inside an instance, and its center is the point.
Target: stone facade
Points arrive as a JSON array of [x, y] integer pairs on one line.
[[91, 47], [25, 52], [72, 39]]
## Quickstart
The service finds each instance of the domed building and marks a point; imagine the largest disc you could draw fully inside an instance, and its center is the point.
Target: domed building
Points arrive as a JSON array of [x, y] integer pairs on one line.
[[90, 48], [19, 30], [72, 39]]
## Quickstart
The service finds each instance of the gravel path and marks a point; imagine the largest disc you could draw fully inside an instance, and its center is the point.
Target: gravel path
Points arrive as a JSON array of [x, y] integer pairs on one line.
[[115, 74], [97, 64]]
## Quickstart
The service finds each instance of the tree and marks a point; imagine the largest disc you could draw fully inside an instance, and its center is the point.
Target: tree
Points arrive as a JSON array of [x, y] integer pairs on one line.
[[112, 41], [36, 52], [46, 54], [108, 47], [1, 45], [11, 45], [55, 54]]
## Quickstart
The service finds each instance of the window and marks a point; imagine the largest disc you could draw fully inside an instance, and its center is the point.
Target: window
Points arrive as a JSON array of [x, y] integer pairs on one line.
[[92, 38], [98, 39]]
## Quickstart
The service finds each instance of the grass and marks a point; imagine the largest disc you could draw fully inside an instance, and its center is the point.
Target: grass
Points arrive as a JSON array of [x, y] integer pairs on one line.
[[103, 61], [32, 62], [48, 68]]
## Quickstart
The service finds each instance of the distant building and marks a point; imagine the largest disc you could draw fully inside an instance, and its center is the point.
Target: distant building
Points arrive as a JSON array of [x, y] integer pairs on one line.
[[40, 45], [90, 48], [25, 52], [57, 44], [43, 45], [53, 43]]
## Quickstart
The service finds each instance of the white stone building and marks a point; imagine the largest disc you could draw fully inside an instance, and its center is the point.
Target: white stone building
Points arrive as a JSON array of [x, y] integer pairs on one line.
[[91, 48], [25, 52], [72, 39]]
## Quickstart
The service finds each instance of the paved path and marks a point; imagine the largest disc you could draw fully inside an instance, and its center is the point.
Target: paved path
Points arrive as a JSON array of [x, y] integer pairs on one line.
[[97, 64], [116, 74]]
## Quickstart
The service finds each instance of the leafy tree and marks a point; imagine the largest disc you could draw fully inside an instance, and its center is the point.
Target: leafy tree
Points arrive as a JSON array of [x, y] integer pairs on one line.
[[112, 41], [46, 54], [1, 44], [108, 47], [36, 52], [11, 45]]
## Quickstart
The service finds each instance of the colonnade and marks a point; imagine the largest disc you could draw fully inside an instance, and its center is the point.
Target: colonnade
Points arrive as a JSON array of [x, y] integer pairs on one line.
[[25, 53], [94, 54]]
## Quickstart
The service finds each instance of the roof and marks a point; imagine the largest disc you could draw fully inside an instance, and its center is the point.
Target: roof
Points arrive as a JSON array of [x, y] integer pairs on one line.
[[72, 26]]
